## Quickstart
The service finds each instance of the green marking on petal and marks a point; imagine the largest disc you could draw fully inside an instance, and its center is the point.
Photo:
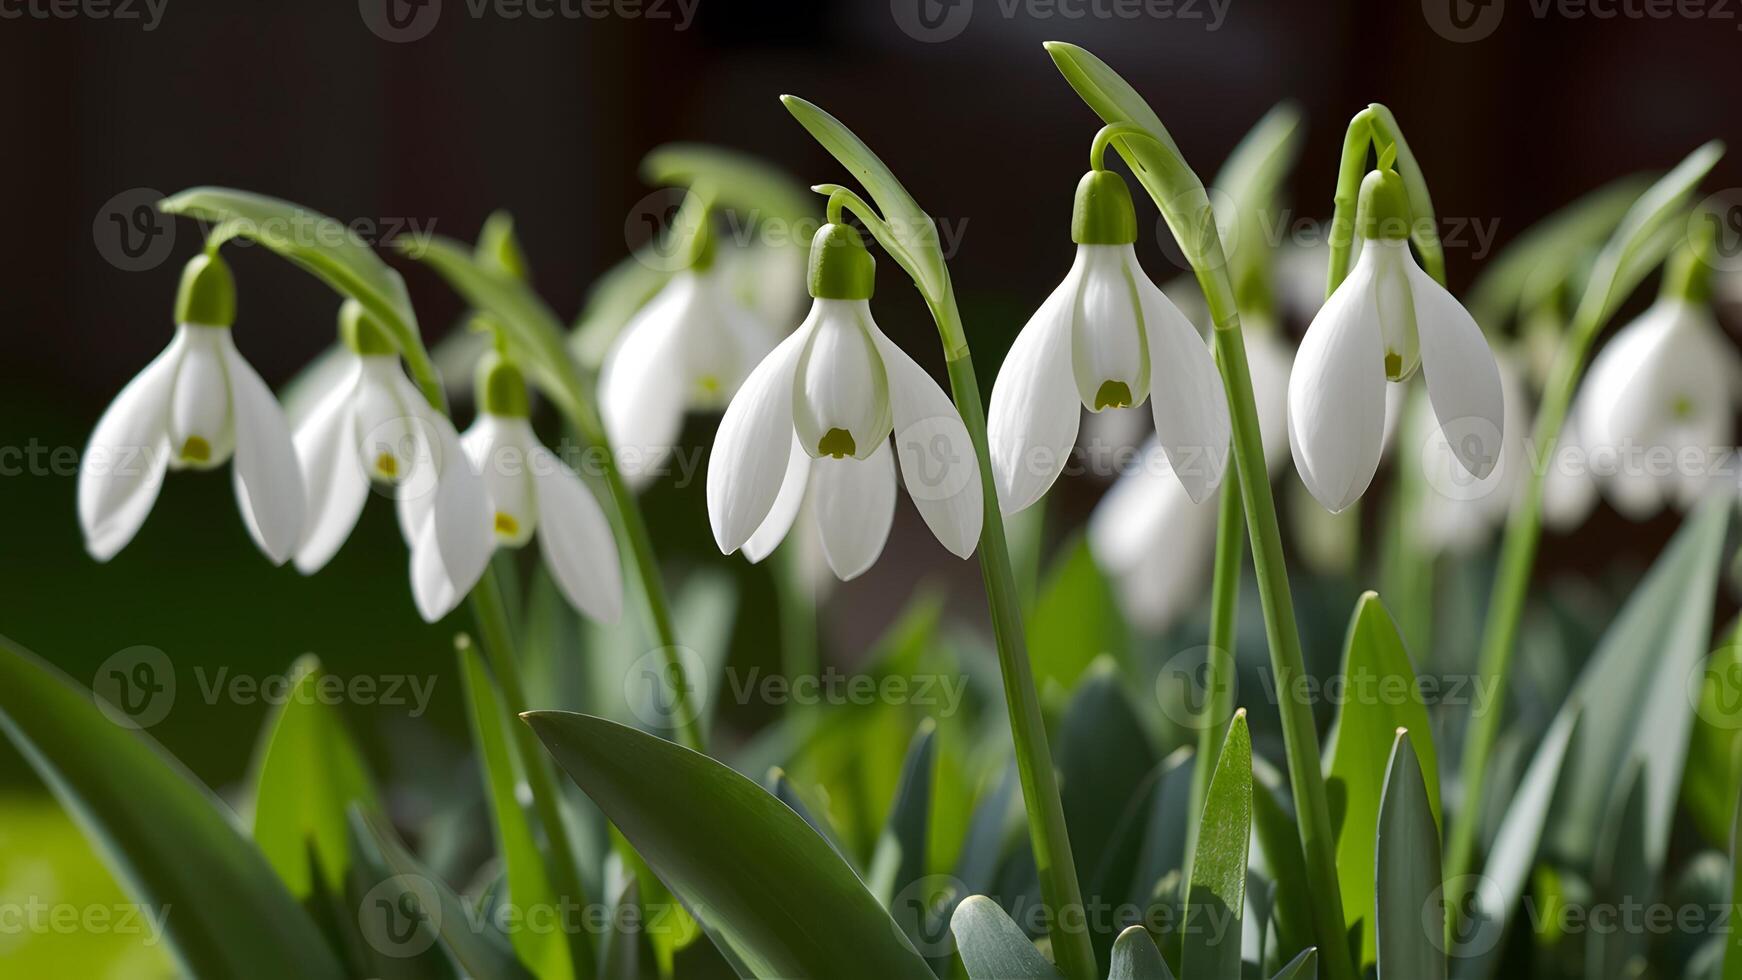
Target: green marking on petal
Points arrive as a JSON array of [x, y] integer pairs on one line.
[[506, 525], [1113, 394], [709, 384], [1683, 407], [1393, 365], [387, 466], [196, 450], [837, 443]]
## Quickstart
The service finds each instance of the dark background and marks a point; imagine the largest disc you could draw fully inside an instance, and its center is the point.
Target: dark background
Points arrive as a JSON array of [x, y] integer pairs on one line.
[[549, 119]]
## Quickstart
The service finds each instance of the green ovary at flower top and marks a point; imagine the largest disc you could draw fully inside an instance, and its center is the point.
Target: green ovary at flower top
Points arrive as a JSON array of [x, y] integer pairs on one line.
[[1382, 322], [815, 419], [197, 405], [1657, 407], [687, 349], [373, 424], [531, 490], [1107, 337]]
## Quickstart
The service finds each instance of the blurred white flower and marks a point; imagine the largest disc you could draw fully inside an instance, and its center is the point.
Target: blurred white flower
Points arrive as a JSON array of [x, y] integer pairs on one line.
[[688, 349], [1105, 338], [193, 407], [372, 424], [1386, 319], [814, 420], [1457, 510]]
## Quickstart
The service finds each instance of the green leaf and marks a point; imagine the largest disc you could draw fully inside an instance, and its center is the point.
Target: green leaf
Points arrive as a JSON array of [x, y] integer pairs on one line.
[[620, 955], [1251, 180], [324, 246], [1382, 697], [900, 857], [1480, 940], [993, 947], [171, 843], [1135, 957], [910, 236], [1302, 967], [1733, 943], [786, 791], [1411, 942], [1104, 762], [546, 952], [1218, 889], [1624, 878], [774, 889], [1635, 691], [1618, 267], [1076, 619], [734, 180], [1279, 841], [307, 773], [413, 898], [1164, 840], [1714, 767]]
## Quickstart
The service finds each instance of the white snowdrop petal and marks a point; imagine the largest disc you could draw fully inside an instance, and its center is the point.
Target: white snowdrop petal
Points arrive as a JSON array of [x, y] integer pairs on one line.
[[1270, 357], [854, 502], [938, 462], [266, 474], [459, 514], [1133, 517], [122, 468], [786, 506], [1032, 421], [1336, 396], [1108, 337], [1463, 382], [642, 387], [575, 539], [202, 432], [1186, 396], [501, 450], [748, 462], [432, 589], [337, 487], [841, 383], [386, 423]]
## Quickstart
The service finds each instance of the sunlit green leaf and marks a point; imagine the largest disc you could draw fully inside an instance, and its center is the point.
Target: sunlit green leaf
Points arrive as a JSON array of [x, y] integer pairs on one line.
[[1410, 940], [1218, 889], [993, 947], [1135, 957]]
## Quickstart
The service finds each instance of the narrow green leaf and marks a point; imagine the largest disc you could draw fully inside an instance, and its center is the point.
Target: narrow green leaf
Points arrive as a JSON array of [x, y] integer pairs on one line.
[[1135, 957], [1410, 939], [620, 955], [915, 243], [390, 937], [1302, 967], [734, 180], [397, 910], [307, 773], [173, 845], [772, 887], [1733, 943], [1076, 620], [1618, 269], [1218, 889], [1714, 766], [786, 791], [1382, 697], [1624, 878], [546, 952], [1634, 689], [993, 947], [1248, 185], [1279, 840], [1105, 764], [1164, 840], [900, 857]]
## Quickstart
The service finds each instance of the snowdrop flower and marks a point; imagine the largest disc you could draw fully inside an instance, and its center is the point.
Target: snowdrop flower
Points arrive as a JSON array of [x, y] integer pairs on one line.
[[688, 349], [532, 490], [814, 420], [1456, 510], [373, 425], [1385, 320], [1154, 542], [1105, 338], [1655, 412], [197, 405]]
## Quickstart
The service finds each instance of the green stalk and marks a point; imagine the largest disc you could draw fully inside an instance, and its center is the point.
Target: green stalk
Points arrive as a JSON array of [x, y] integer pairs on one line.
[[1219, 696], [498, 643], [1633, 249], [799, 657], [1071, 947]]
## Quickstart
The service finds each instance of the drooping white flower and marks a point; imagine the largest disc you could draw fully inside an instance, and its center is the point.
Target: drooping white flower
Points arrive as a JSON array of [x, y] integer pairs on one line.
[[1385, 320], [532, 491], [197, 405], [373, 425], [1105, 338], [688, 349], [1456, 509], [815, 418], [1153, 541], [1655, 415]]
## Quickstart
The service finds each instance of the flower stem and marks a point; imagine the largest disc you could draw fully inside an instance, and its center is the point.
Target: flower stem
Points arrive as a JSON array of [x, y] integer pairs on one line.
[[497, 641], [1071, 947], [1219, 693], [1376, 126]]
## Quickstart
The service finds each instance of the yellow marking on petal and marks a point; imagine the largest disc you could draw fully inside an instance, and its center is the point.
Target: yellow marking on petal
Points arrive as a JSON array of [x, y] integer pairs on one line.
[[709, 384], [387, 465], [506, 525], [1683, 407], [1393, 365], [1113, 394], [196, 450], [837, 443]]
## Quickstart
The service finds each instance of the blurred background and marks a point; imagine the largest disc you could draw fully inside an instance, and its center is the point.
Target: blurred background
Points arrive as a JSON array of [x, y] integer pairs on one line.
[[467, 106]]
